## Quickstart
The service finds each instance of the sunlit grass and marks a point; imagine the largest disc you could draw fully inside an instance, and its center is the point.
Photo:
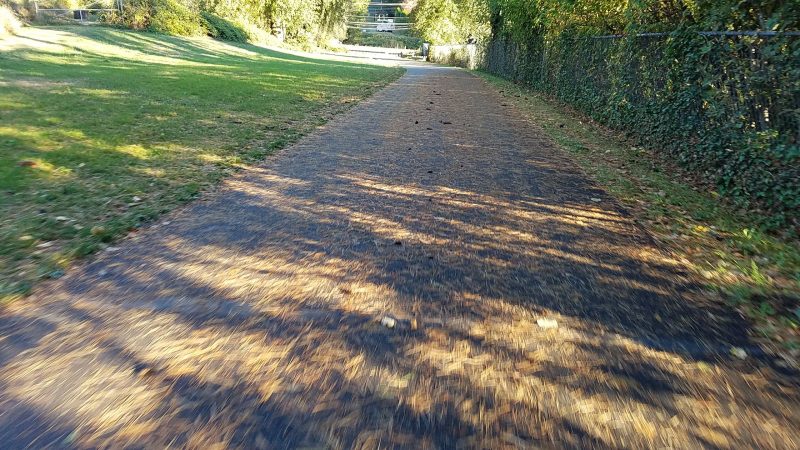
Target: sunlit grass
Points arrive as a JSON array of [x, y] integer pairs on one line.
[[756, 272], [102, 130]]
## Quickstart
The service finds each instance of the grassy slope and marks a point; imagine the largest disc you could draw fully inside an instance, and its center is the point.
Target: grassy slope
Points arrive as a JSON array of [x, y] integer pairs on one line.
[[101, 130], [757, 273]]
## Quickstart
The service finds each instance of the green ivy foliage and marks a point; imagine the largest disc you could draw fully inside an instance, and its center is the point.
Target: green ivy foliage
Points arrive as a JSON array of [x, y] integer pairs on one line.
[[725, 107]]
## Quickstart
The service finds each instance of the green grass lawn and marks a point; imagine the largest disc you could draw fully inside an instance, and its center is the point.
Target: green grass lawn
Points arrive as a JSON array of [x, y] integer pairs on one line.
[[102, 130], [755, 272]]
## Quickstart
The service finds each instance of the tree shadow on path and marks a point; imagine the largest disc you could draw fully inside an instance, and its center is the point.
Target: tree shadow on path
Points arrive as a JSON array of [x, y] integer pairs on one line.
[[252, 319]]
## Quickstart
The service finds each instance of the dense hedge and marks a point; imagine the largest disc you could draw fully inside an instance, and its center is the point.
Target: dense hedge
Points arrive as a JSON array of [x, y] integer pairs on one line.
[[172, 17], [163, 16], [219, 28], [726, 107]]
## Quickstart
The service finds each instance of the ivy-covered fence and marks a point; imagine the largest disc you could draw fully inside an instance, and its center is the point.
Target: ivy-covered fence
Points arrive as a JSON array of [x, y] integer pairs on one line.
[[726, 105]]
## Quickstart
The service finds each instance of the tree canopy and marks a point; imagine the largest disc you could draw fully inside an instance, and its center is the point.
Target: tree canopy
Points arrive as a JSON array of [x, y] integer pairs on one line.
[[450, 21]]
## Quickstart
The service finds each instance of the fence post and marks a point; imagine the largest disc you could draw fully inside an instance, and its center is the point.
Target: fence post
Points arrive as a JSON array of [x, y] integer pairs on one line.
[[36, 9]]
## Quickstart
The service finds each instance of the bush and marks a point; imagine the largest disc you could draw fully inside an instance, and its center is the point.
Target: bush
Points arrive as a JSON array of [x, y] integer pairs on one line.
[[303, 23], [256, 33], [171, 17], [9, 24], [25, 10], [219, 28], [163, 16], [135, 15]]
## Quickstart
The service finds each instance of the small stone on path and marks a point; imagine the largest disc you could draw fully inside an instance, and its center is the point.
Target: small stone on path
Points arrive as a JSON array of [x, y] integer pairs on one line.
[[739, 352], [547, 324], [388, 322]]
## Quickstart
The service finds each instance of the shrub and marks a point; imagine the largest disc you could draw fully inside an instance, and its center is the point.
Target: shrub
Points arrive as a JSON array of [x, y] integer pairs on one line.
[[9, 24], [25, 10], [219, 28], [171, 17], [163, 16], [256, 33]]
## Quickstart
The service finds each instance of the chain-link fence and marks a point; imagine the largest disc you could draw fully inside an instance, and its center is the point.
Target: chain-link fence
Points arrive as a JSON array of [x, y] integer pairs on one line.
[[66, 15], [726, 104]]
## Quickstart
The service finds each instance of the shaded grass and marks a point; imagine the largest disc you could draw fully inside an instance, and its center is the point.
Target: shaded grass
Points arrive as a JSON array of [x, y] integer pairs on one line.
[[754, 271], [103, 130]]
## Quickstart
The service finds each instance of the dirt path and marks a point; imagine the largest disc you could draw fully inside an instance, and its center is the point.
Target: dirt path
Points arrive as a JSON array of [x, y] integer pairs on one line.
[[251, 319]]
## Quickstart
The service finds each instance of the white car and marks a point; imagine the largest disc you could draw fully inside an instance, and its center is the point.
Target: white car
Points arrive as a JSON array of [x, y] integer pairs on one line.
[[386, 25]]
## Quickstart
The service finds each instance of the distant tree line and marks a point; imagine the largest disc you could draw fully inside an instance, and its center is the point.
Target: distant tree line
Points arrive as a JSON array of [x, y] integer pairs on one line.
[[453, 21], [299, 21]]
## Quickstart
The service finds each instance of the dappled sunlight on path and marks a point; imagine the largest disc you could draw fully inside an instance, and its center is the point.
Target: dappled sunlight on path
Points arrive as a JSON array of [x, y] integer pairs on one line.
[[252, 318]]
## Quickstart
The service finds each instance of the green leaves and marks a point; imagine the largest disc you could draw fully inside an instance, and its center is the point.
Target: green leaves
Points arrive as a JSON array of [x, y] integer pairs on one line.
[[721, 105], [300, 21], [451, 21]]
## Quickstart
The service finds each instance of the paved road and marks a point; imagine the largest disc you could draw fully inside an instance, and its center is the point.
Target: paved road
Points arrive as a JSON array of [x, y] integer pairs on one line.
[[251, 318]]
